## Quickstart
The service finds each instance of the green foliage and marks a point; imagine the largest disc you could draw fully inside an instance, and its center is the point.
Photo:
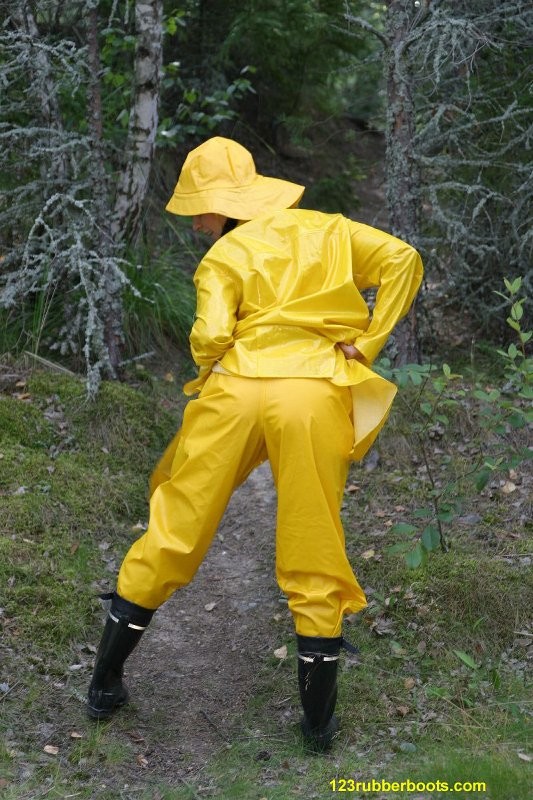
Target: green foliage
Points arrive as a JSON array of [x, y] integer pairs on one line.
[[199, 114], [501, 412], [430, 408], [299, 49], [160, 308], [335, 193], [518, 364]]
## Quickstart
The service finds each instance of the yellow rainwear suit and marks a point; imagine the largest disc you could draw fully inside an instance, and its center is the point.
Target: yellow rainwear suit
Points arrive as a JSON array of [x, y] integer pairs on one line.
[[275, 297]]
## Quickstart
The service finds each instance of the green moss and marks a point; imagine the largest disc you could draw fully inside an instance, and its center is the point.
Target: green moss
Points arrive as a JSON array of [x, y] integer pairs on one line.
[[479, 597], [44, 576], [23, 423], [123, 421]]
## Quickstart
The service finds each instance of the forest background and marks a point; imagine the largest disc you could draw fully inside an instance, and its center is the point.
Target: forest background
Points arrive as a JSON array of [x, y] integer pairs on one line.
[[412, 115]]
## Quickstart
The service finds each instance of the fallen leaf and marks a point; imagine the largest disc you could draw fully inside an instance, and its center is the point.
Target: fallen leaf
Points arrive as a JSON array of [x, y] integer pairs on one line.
[[402, 710], [525, 757], [382, 626], [209, 606], [142, 761], [509, 487], [409, 683], [169, 377], [353, 487], [74, 546], [466, 659], [281, 652], [397, 649], [368, 554], [76, 735], [51, 749]]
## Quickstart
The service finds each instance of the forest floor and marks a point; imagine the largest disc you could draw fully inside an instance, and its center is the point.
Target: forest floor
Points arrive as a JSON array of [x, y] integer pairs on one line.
[[439, 691]]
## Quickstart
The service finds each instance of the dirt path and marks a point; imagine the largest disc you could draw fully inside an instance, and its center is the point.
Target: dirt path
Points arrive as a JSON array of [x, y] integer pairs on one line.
[[194, 671]]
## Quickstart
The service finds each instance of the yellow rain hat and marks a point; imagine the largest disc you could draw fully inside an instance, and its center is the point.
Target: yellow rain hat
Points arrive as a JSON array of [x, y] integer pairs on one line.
[[219, 177]]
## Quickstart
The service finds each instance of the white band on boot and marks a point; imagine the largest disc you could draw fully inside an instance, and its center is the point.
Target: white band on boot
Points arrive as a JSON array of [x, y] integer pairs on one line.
[[310, 659], [130, 624]]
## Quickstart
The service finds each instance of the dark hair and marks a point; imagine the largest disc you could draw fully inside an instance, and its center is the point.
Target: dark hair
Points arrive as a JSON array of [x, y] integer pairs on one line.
[[229, 225]]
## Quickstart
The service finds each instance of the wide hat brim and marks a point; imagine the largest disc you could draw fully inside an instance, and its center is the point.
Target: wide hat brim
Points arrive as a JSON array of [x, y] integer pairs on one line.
[[262, 196]]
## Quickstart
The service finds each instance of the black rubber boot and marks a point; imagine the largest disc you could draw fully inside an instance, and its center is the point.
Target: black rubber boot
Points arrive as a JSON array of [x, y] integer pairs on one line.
[[318, 660], [125, 625]]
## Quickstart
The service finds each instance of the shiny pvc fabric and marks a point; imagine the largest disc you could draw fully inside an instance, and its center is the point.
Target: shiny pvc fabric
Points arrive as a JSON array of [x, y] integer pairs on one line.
[[277, 294], [303, 426], [219, 177]]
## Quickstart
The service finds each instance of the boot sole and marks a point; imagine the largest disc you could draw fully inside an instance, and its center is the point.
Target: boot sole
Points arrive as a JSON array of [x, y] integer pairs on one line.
[[320, 742], [99, 714], [104, 713]]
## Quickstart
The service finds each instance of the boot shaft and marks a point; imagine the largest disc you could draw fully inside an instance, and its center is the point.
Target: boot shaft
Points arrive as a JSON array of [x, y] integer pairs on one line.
[[126, 623], [318, 659]]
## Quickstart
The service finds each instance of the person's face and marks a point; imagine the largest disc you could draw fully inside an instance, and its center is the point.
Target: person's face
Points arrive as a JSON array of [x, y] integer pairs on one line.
[[211, 224]]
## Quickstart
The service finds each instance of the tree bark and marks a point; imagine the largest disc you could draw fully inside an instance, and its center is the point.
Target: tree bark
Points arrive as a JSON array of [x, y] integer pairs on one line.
[[133, 181], [403, 179], [112, 288], [402, 173]]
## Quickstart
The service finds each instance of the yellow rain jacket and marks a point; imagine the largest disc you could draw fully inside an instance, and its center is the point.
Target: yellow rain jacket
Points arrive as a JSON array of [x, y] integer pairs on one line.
[[278, 293]]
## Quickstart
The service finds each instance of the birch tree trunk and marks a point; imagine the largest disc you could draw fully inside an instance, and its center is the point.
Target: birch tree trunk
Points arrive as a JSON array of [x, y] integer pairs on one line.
[[133, 181]]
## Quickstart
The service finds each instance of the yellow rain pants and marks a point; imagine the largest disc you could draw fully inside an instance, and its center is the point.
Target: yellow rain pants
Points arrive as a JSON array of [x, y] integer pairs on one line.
[[304, 427]]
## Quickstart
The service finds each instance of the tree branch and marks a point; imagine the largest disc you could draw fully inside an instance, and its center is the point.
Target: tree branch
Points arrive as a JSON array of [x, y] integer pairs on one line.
[[366, 26]]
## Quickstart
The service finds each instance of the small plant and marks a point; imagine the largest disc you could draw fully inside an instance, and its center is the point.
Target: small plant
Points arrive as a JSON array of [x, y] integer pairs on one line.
[[429, 412], [500, 412], [508, 408]]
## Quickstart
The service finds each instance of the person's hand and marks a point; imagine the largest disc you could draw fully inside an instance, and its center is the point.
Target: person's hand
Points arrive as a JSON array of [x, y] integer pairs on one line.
[[350, 351]]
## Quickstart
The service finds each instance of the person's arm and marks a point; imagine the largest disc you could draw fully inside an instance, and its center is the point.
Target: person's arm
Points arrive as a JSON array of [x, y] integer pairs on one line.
[[216, 314], [383, 261]]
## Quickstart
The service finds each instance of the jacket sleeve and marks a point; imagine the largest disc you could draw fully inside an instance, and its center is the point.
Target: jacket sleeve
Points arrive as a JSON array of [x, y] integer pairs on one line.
[[395, 268], [217, 301]]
